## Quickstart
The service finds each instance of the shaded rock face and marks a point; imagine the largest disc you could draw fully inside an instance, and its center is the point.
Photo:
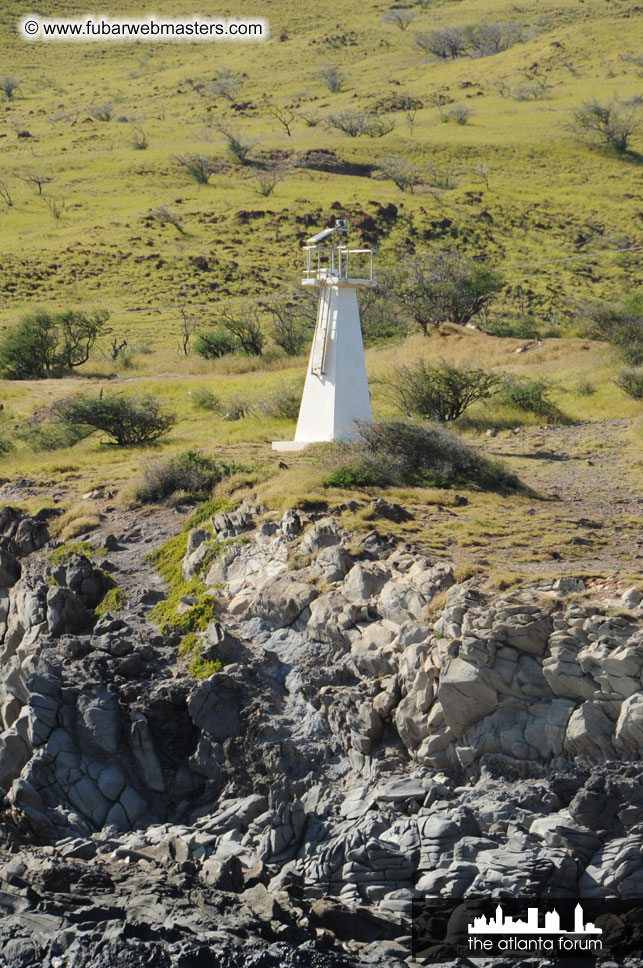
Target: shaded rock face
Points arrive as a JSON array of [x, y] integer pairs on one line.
[[361, 748]]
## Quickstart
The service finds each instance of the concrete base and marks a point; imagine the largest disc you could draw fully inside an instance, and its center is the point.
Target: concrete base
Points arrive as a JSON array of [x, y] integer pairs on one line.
[[290, 445]]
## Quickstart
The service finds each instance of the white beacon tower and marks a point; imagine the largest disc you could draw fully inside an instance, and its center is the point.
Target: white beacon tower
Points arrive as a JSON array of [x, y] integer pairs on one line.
[[336, 389]]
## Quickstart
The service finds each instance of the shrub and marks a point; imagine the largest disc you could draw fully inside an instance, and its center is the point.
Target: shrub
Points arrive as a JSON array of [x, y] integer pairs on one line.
[[585, 388], [204, 399], [51, 435], [439, 391], [332, 76], [213, 344], [9, 84], [47, 345], [293, 322], [125, 420], [630, 379], [525, 327], [191, 471], [395, 453], [244, 326], [200, 167], [101, 112], [621, 324], [530, 395], [283, 403], [236, 145]]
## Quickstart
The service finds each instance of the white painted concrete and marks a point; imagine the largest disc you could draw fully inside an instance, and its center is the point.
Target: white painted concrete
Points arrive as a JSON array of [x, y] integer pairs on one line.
[[336, 389]]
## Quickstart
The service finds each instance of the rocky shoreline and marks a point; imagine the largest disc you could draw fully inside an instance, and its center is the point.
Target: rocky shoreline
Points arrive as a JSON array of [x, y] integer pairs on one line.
[[380, 732]]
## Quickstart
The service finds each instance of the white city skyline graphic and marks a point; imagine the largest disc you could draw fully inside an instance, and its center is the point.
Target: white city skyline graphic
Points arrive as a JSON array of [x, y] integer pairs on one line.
[[506, 925]]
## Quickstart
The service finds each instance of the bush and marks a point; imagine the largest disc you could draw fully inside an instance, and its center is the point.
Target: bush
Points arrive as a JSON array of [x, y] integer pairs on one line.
[[204, 399], [630, 379], [620, 323], [439, 391], [525, 327], [190, 471], [214, 343], [395, 453], [48, 345], [530, 395], [200, 167], [283, 403], [125, 420], [50, 435]]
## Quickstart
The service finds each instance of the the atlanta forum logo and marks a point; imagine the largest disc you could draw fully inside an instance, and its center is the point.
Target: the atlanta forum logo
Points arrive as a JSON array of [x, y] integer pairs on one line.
[[502, 934]]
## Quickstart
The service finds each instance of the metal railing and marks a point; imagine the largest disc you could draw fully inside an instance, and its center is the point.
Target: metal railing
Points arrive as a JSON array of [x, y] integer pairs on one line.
[[332, 264]]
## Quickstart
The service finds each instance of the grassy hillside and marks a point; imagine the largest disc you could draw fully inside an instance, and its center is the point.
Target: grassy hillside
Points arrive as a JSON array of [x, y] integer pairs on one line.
[[513, 185]]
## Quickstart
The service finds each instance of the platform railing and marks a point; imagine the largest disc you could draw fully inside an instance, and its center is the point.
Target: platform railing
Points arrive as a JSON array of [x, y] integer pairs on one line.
[[333, 264]]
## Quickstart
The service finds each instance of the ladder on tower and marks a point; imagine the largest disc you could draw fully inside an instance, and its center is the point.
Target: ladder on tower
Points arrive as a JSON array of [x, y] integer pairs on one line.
[[322, 332]]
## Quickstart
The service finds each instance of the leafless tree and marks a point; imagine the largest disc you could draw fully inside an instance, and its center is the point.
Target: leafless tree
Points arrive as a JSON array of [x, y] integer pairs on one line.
[[245, 325], [5, 194], [36, 177], [483, 172], [266, 181], [460, 114], [333, 77], [9, 84], [188, 325], [404, 175], [447, 44], [284, 115], [139, 138], [226, 84], [402, 17], [55, 204], [612, 123]]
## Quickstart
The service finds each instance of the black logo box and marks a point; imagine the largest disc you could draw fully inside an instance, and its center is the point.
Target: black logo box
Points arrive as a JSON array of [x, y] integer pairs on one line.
[[440, 929]]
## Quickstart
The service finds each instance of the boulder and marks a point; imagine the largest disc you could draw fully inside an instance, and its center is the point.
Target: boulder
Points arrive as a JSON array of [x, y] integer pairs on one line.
[[214, 707], [282, 599]]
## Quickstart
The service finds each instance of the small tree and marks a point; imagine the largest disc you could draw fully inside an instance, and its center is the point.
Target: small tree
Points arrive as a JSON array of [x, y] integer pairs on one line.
[[352, 123], [612, 123], [284, 115], [444, 286], [226, 84], [333, 77], [292, 323], [244, 325], [56, 204], [46, 345], [440, 391], [36, 177], [402, 17], [460, 114], [126, 420], [200, 167], [79, 332], [447, 44], [235, 143], [9, 84]]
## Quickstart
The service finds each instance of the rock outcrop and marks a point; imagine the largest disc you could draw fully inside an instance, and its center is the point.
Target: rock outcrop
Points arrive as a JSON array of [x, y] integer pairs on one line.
[[379, 732]]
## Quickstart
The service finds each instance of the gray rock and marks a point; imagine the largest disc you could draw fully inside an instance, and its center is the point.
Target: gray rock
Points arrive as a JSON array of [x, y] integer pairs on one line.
[[282, 599], [99, 721], [214, 707]]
